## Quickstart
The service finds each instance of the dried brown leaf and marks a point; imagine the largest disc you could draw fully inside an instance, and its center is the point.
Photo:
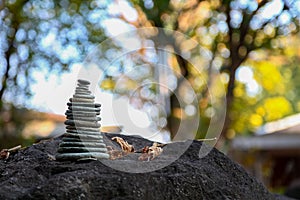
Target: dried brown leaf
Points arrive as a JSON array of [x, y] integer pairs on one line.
[[4, 154], [149, 153], [115, 154], [124, 145]]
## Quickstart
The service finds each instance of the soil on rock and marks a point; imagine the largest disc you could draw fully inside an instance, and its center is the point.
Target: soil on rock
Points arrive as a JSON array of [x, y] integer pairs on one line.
[[33, 173]]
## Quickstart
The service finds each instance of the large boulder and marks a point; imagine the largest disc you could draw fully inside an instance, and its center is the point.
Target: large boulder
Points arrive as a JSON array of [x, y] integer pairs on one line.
[[180, 172]]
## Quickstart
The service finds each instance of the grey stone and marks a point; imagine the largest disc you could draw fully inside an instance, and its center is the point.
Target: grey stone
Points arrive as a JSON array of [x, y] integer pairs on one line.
[[96, 105], [81, 149], [82, 85], [80, 128], [84, 118], [78, 116], [82, 93], [83, 82], [76, 156], [78, 123], [84, 96], [81, 144], [30, 174], [85, 90], [90, 119], [70, 139], [81, 100], [83, 137], [84, 132], [82, 108], [84, 113], [82, 89], [81, 113]]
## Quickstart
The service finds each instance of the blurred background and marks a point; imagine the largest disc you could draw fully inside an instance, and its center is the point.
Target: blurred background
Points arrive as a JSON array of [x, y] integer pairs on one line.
[[248, 64]]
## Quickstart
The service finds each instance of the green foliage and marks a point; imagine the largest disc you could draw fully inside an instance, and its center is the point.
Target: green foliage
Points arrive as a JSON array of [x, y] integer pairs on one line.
[[154, 10]]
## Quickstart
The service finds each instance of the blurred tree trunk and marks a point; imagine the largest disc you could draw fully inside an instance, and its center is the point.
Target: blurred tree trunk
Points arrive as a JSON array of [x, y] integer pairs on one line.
[[174, 122]]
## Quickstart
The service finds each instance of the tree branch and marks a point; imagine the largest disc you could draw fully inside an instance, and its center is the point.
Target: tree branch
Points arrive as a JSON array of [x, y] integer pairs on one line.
[[245, 26]]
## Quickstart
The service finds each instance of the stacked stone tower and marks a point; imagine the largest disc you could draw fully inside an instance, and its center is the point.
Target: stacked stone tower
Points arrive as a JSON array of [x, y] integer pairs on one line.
[[83, 139]]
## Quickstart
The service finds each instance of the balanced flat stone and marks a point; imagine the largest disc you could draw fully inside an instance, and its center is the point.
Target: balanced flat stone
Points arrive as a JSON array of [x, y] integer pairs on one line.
[[89, 110], [77, 156], [81, 132], [81, 113], [82, 108], [82, 89], [81, 144], [92, 129], [72, 128], [90, 119], [81, 149], [84, 96], [82, 123], [94, 105], [81, 100], [83, 139], [85, 87], [84, 132], [74, 116], [70, 139], [83, 82], [82, 93], [82, 86]]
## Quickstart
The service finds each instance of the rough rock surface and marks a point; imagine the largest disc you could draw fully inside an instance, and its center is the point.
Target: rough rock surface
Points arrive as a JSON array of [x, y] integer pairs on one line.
[[32, 173]]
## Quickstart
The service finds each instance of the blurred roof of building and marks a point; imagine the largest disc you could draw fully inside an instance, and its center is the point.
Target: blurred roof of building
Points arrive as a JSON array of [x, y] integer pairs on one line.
[[48, 125], [267, 142], [290, 124], [283, 134], [44, 125], [111, 129]]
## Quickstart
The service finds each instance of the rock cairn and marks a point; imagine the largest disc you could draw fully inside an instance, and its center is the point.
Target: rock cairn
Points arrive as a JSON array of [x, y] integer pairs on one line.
[[83, 139]]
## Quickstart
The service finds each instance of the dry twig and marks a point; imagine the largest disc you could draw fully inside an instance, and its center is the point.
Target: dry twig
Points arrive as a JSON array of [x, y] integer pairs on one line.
[[4, 153], [207, 139]]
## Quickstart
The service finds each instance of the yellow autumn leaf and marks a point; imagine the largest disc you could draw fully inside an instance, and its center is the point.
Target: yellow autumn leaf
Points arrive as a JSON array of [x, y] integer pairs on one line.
[[276, 108], [267, 74], [255, 120], [107, 84]]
